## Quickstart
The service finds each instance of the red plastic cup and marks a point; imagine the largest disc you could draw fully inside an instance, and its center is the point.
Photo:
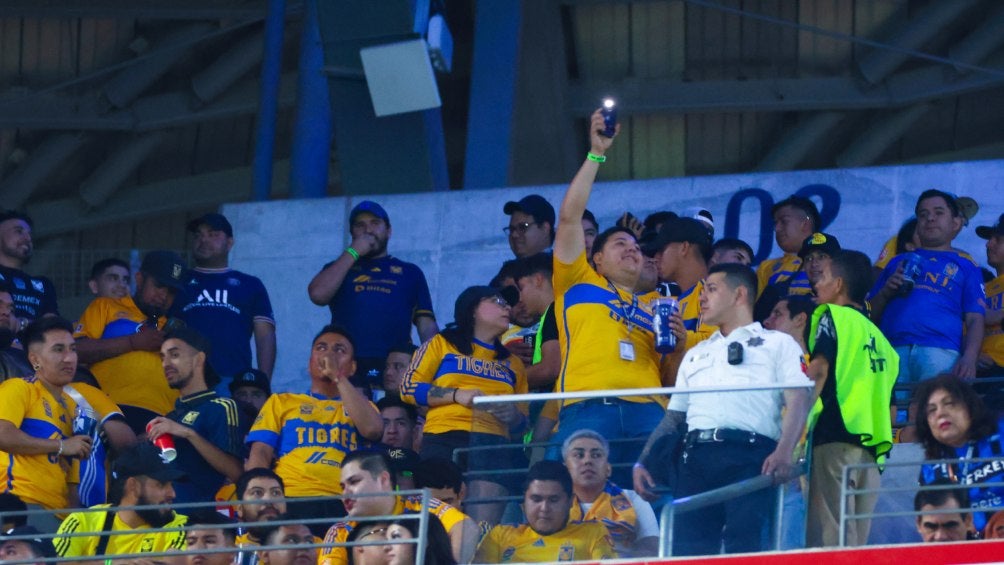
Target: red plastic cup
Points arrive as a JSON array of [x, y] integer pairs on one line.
[[165, 443]]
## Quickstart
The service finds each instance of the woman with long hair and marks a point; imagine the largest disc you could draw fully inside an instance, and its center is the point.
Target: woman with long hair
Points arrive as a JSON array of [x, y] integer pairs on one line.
[[464, 361]]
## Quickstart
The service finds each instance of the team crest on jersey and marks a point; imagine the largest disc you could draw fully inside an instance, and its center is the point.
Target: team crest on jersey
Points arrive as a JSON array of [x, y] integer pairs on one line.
[[190, 418], [508, 553], [950, 270], [566, 552], [620, 503], [38, 285], [233, 282], [47, 408], [306, 409], [396, 270], [146, 546]]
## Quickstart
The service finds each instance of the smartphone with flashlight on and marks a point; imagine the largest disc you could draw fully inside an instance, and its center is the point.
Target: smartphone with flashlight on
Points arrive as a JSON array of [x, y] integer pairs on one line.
[[609, 113]]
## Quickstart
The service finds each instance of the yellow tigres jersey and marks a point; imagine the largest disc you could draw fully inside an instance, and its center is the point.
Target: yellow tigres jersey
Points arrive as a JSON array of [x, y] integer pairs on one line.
[[122, 539], [689, 304], [310, 434], [591, 325], [993, 339], [439, 363], [37, 479], [131, 379], [781, 269], [579, 541], [449, 516]]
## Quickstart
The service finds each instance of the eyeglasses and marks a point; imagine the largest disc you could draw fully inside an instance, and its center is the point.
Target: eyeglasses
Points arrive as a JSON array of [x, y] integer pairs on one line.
[[382, 532], [499, 300], [519, 228]]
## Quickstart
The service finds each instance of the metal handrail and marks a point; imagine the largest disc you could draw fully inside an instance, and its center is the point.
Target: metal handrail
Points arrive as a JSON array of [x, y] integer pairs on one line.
[[846, 491], [421, 539], [718, 496], [621, 392]]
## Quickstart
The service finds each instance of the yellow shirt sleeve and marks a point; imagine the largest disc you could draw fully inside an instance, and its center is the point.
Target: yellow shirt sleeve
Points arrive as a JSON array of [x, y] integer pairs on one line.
[[422, 370]]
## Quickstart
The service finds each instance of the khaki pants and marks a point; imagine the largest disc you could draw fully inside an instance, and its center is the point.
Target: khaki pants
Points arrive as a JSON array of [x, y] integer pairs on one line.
[[823, 512]]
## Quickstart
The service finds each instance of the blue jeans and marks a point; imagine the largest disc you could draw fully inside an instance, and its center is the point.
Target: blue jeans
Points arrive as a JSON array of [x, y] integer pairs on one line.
[[919, 363], [614, 419]]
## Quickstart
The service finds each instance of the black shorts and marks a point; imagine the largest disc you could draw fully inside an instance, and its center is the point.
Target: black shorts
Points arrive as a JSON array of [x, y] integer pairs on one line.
[[503, 465]]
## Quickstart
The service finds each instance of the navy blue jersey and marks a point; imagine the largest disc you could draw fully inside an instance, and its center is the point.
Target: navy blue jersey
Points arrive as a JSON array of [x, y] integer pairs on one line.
[[378, 302], [217, 420], [224, 305], [932, 314], [33, 296]]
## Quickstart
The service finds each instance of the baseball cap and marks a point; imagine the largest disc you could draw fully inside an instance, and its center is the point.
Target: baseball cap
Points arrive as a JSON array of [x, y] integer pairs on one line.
[[215, 221], [199, 342], [251, 377], [42, 547], [678, 230], [167, 267], [588, 216], [986, 232], [819, 241], [403, 461], [368, 207], [534, 205], [702, 215], [144, 459], [967, 207]]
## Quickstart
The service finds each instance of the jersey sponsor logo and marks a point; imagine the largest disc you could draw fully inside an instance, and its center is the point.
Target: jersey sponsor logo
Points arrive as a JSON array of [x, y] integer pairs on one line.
[[190, 418], [221, 296], [318, 458], [877, 363], [338, 436]]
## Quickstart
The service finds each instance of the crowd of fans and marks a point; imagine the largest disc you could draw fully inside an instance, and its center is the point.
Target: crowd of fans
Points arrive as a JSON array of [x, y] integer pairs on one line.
[[151, 399]]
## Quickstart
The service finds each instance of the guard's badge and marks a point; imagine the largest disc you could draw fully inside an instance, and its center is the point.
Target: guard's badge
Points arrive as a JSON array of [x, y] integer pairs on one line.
[[755, 341]]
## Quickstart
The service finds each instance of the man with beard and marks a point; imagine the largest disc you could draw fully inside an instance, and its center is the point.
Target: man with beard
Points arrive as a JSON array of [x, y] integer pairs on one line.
[[263, 497], [228, 306], [121, 340], [13, 359], [205, 427], [376, 297], [139, 477], [33, 296]]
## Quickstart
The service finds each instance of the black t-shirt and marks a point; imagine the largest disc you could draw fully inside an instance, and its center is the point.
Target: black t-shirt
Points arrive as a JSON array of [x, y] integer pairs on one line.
[[830, 428], [549, 329], [33, 296]]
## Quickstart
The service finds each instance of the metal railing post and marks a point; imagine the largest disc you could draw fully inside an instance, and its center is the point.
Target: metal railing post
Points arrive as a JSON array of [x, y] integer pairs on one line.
[[666, 529], [842, 532], [779, 517]]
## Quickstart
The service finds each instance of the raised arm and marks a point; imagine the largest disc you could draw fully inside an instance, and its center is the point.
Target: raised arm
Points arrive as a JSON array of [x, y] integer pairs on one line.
[[570, 241]]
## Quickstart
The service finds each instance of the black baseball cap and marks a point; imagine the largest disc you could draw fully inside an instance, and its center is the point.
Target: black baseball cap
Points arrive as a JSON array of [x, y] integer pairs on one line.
[[251, 377], [819, 241], [679, 230], [199, 342], [986, 232], [167, 267], [403, 461], [215, 221], [368, 207], [41, 547], [143, 459], [534, 205]]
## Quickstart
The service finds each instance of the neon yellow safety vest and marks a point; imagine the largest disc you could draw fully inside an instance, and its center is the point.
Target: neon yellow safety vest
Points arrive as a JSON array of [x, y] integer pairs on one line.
[[866, 370]]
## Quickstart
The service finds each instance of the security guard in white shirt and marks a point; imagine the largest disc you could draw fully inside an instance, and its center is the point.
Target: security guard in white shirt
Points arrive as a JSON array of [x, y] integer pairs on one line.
[[732, 435]]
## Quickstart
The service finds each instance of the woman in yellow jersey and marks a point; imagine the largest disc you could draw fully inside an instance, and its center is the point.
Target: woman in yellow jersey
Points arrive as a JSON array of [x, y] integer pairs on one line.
[[464, 361]]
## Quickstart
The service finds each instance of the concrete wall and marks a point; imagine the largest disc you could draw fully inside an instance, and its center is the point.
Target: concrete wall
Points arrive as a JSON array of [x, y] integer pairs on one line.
[[456, 237]]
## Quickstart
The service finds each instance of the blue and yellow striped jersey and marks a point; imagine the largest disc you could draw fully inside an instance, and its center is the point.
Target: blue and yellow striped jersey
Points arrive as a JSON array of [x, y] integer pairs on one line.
[[310, 434], [779, 270], [439, 363]]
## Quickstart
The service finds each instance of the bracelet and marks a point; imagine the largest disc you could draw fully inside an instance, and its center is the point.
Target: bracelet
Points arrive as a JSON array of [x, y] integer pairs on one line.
[[455, 395], [596, 158], [60, 452], [352, 252]]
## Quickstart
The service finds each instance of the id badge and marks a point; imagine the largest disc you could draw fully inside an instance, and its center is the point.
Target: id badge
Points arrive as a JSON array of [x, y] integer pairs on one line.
[[627, 350]]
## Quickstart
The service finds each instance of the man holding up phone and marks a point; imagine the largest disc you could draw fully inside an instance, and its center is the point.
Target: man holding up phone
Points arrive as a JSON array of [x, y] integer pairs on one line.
[[732, 435]]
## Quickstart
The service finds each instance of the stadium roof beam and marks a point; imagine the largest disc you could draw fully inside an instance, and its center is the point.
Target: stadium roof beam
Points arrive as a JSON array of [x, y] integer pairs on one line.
[[135, 9]]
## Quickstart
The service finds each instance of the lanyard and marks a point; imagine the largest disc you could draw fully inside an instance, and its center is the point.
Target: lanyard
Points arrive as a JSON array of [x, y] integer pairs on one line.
[[627, 313]]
